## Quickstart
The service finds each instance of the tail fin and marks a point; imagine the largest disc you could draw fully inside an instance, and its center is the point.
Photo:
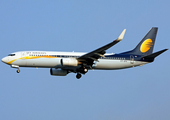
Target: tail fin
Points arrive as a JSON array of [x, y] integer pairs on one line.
[[146, 45]]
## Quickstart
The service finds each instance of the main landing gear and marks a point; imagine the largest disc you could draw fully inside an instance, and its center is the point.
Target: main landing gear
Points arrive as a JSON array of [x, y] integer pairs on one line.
[[78, 76], [80, 72]]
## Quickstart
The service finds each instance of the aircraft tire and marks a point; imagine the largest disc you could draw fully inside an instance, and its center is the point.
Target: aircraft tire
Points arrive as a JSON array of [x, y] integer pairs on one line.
[[78, 76], [18, 71]]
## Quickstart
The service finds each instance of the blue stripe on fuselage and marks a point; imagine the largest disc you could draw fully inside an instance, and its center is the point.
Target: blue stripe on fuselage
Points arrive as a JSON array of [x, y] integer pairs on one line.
[[127, 57]]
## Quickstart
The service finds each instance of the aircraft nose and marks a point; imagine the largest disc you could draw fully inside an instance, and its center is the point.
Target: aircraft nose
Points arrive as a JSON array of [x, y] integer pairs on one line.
[[4, 60]]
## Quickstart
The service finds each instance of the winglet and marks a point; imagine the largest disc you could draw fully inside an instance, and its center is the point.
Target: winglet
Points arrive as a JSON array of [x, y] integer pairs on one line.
[[121, 35]]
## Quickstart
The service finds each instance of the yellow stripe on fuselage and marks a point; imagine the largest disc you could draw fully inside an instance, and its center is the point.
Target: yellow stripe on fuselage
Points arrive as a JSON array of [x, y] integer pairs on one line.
[[31, 57], [11, 61], [36, 57]]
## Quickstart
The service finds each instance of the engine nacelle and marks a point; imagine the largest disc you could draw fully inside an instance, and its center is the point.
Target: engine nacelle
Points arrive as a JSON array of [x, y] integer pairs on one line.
[[69, 62], [58, 72]]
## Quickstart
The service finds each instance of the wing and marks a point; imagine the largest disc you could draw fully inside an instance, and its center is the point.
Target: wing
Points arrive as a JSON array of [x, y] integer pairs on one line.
[[96, 54]]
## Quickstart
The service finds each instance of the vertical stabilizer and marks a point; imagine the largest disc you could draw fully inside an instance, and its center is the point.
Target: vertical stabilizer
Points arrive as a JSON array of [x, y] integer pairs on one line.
[[146, 45]]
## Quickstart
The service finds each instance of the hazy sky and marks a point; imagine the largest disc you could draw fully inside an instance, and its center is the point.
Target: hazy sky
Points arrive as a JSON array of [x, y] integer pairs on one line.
[[140, 93]]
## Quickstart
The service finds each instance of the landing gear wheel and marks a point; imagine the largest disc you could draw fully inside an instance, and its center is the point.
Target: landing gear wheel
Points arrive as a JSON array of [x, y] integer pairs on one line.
[[78, 76], [18, 71]]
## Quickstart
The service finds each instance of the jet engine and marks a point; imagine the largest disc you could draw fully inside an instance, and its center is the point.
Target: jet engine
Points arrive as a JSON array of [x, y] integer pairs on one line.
[[69, 62], [58, 72]]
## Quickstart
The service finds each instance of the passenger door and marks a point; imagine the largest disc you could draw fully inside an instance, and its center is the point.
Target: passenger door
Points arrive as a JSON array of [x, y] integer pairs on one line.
[[131, 59], [23, 59]]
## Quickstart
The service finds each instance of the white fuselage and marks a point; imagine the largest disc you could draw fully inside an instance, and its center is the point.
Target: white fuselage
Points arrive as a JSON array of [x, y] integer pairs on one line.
[[46, 59]]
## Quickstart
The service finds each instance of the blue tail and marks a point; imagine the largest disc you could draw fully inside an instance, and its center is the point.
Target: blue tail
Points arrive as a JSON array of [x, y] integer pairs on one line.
[[146, 45]]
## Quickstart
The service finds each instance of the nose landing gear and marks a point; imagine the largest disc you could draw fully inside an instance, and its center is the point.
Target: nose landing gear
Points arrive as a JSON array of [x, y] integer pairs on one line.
[[18, 71], [17, 67]]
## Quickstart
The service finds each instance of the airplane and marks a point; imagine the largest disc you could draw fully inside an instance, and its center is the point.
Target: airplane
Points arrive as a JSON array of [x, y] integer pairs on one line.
[[63, 63]]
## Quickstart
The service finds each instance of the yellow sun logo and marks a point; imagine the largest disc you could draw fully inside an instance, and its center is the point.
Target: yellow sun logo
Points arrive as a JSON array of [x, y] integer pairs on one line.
[[146, 45]]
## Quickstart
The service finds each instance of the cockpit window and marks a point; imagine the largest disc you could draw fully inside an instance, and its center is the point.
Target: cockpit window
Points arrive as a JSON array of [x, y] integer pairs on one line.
[[11, 55]]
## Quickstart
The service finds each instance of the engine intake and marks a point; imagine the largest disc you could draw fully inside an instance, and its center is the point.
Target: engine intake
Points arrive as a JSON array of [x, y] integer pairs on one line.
[[69, 62], [58, 72]]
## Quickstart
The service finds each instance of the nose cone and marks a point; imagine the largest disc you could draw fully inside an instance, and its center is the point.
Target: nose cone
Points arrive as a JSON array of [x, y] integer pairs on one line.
[[5, 60]]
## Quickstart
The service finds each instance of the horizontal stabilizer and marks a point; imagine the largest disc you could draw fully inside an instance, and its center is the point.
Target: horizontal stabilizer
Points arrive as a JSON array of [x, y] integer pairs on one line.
[[152, 56]]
